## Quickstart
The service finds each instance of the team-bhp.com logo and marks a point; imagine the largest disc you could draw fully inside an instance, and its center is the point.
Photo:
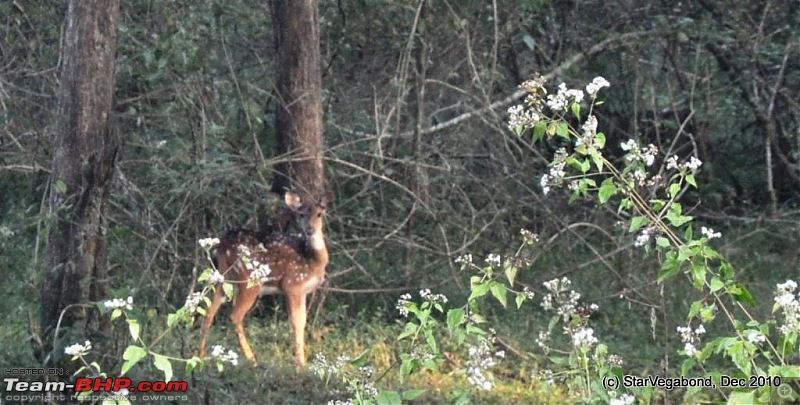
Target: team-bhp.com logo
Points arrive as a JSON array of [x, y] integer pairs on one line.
[[94, 388]]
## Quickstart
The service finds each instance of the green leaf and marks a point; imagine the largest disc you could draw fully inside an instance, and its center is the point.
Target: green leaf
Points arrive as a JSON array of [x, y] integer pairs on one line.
[[539, 129], [690, 179], [60, 187], [576, 110], [455, 317], [410, 395], [670, 268], [600, 140], [563, 130], [741, 294], [716, 284], [499, 292], [698, 276], [227, 288], [663, 242], [695, 308], [637, 223], [479, 290], [511, 273], [192, 363], [678, 220], [674, 189], [134, 328], [520, 299], [389, 398], [133, 354], [162, 363], [173, 319], [115, 313], [607, 190]]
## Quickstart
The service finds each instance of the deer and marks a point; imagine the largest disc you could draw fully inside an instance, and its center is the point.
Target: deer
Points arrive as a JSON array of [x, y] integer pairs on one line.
[[259, 264]]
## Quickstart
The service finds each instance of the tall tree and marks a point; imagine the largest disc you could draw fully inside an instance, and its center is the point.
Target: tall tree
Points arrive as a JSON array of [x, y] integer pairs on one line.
[[299, 90], [84, 151]]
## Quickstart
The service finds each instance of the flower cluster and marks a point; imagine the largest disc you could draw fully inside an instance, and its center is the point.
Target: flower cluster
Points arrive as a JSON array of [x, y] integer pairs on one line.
[[564, 97], [528, 237], [480, 361], [216, 278], [119, 303], [493, 259], [583, 338], [464, 259], [692, 165], [597, 83], [588, 140], [543, 340], [218, 352], [557, 173], [78, 349], [193, 301], [645, 155], [789, 302], [624, 399], [709, 233], [689, 337], [403, 303], [208, 243], [561, 297], [428, 296], [644, 237], [521, 117], [259, 271]]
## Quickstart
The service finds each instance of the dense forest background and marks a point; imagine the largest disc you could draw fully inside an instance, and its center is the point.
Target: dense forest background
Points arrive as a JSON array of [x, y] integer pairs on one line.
[[418, 154]]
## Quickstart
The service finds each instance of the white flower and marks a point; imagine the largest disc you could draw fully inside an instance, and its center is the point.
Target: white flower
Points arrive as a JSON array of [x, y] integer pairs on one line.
[[584, 338], [119, 303], [208, 243], [628, 145], [545, 183], [597, 83], [78, 349], [625, 399], [700, 330], [259, 271], [788, 287], [709, 233], [643, 238], [493, 259], [672, 162], [193, 301], [402, 304], [427, 295], [689, 349], [216, 278], [218, 352], [693, 164], [464, 259]]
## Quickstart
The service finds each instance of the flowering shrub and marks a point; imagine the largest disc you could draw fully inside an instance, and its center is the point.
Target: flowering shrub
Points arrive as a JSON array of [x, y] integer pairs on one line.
[[757, 349]]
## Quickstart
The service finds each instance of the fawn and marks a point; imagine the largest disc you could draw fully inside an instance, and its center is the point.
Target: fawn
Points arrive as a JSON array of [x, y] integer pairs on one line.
[[261, 264]]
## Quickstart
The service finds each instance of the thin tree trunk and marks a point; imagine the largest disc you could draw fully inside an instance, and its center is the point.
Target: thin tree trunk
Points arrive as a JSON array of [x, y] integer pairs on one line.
[[299, 88], [84, 151]]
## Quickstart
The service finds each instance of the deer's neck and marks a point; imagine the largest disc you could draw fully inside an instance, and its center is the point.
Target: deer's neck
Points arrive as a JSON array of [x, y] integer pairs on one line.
[[318, 251]]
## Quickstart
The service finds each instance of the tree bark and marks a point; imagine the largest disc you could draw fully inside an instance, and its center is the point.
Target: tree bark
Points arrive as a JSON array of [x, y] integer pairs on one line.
[[298, 119], [84, 151]]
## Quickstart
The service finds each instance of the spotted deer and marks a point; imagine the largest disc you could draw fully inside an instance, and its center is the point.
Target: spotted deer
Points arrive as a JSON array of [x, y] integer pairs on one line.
[[260, 264]]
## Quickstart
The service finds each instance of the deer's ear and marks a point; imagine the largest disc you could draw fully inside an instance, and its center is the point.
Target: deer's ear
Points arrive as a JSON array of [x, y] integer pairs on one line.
[[293, 201]]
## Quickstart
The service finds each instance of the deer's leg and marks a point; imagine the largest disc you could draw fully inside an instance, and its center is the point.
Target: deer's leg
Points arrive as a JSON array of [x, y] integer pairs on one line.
[[245, 299], [209, 319], [297, 317]]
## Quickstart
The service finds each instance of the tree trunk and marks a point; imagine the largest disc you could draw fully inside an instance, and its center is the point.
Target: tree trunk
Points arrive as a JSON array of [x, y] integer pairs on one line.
[[299, 89], [84, 151]]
